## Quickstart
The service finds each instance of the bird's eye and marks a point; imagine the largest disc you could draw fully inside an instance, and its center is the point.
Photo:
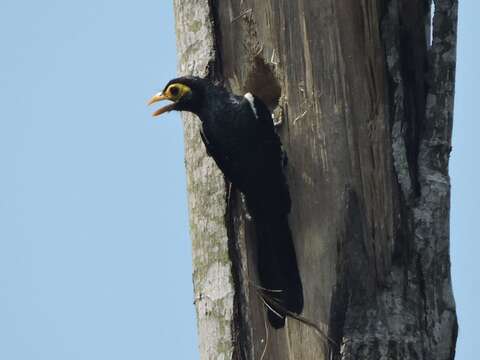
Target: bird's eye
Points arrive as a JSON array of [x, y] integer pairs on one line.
[[174, 91]]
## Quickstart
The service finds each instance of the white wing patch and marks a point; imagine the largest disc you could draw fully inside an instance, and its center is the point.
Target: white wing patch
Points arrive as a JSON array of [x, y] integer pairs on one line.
[[251, 101]]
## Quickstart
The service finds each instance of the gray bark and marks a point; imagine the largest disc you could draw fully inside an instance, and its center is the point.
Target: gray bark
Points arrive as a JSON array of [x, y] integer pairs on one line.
[[366, 107]]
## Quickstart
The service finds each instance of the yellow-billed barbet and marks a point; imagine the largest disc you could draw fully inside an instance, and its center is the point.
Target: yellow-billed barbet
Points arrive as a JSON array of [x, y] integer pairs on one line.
[[238, 133]]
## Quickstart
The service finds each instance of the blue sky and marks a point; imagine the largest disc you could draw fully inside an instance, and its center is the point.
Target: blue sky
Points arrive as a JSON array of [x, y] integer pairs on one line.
[[95, 257], [465, 172]]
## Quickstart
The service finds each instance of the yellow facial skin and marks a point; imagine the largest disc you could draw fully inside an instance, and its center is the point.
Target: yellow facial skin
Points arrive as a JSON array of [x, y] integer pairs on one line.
[[174, 93]]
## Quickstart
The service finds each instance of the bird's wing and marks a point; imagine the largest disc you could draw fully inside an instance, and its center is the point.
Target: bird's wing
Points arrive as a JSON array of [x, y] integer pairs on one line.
[[218, 156], [265, 126]]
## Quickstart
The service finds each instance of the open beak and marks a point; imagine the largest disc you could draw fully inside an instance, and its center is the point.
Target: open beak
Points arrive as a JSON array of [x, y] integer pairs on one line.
[[159, 97]]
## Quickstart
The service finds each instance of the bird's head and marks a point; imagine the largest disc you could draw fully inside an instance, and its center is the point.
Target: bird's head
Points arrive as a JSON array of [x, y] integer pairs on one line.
[[186, 94]]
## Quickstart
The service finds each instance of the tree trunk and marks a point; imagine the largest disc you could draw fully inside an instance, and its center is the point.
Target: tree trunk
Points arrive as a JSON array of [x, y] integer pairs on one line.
[[365, 100]]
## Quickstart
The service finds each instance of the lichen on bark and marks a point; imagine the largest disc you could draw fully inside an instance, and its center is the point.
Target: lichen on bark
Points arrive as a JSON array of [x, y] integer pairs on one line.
[[212, 278]]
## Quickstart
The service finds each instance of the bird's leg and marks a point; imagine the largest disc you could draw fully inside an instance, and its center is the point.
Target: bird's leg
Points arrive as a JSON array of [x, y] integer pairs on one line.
[[277, 116], [245, 204], [206, 142], [229, 194]]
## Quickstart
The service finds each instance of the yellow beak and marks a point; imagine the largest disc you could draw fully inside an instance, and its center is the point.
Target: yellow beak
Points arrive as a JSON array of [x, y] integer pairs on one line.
[[159, 97]]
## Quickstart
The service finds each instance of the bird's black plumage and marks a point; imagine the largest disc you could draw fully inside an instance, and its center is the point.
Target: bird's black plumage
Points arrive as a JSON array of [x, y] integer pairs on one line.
[[238, 133]]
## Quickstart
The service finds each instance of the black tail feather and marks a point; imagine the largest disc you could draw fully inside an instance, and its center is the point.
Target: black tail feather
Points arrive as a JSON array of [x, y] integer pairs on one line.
[[277, 268]]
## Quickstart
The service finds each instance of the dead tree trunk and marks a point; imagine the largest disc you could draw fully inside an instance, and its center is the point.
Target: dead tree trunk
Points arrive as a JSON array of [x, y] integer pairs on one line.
[[365, 98]]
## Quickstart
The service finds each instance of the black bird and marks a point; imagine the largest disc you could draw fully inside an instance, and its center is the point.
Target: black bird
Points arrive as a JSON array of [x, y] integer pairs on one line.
[[238, 133]]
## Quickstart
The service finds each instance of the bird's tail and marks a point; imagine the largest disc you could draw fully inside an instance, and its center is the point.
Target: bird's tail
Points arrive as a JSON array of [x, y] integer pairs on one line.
[[277, 268]]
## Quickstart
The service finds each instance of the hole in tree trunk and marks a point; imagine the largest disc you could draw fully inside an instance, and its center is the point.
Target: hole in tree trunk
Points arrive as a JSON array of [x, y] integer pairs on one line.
[[262, 82]]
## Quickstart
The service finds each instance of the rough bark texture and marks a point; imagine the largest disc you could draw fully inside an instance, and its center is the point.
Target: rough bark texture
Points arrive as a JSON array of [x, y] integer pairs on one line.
[[366, 104]]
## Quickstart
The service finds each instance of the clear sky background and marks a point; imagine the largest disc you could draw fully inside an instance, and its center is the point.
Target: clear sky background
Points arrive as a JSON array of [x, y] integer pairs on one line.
[[465, 174], [95, 257]]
